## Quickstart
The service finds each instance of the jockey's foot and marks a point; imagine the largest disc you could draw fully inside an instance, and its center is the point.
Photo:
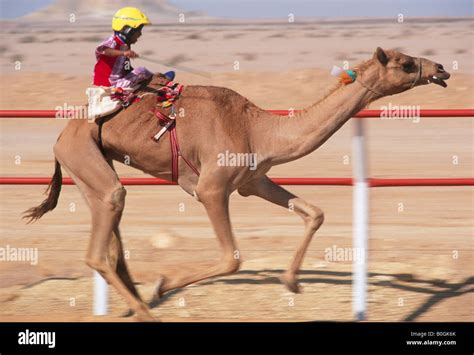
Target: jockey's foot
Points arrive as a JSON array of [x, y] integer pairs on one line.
[[170, 75]]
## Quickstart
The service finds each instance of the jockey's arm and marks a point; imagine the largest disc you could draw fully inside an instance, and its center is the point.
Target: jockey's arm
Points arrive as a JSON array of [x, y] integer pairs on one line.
[[110, 52]]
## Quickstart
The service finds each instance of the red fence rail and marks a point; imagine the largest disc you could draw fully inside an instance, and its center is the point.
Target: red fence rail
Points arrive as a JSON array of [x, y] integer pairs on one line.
[[423, 113], [16, 180], [362, 114], [13, 180]]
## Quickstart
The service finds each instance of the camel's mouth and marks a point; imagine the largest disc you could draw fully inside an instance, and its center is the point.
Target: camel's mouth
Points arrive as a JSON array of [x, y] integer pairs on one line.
[[437, 80]]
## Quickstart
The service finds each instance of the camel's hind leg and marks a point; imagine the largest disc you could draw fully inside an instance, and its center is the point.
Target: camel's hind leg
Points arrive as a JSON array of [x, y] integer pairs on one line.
[[313, 218], [105, 195]]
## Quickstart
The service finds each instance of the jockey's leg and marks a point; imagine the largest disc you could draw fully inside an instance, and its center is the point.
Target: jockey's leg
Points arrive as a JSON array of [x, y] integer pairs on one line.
[[134, 78]]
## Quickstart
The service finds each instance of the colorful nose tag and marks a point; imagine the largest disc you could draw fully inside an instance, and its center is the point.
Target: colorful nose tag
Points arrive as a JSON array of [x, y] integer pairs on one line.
[[346, 76]]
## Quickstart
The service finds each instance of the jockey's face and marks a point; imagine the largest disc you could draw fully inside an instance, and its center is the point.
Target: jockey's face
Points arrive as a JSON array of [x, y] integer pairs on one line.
[[135, 36]]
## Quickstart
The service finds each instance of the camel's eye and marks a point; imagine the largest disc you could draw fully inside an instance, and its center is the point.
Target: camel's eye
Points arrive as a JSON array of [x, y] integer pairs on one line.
[[408, 66]]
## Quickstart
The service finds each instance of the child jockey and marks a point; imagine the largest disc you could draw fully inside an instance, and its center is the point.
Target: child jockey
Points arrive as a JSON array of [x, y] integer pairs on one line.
[[113, 68]]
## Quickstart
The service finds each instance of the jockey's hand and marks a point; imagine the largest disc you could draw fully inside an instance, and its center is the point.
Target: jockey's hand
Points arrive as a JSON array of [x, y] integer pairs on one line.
[[130, 54]]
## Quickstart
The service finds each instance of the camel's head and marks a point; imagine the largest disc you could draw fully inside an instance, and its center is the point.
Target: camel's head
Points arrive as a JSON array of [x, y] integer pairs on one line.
[[398, 72]]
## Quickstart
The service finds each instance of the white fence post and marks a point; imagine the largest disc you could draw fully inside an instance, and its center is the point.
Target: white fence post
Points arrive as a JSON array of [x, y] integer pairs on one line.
[[100, 295], [360, 222]]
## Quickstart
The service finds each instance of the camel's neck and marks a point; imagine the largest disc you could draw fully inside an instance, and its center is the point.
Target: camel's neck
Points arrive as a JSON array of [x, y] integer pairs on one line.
[[291, 138]]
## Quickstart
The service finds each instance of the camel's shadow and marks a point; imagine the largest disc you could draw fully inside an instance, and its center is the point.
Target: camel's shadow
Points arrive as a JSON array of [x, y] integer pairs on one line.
[[438, 289]]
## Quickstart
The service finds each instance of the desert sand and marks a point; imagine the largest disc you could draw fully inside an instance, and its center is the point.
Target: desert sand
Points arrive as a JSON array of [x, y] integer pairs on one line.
[[420, 259]]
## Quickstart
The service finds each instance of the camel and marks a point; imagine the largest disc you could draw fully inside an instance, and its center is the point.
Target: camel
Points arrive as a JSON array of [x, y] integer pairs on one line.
[[216, 120]]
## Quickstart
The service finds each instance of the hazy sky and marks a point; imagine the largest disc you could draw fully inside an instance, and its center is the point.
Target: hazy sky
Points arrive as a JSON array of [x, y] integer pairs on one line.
[[328, 8], [281, 8]]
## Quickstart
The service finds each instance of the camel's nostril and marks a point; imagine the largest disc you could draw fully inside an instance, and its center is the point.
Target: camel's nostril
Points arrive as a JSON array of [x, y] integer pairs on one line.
[[440, 68]]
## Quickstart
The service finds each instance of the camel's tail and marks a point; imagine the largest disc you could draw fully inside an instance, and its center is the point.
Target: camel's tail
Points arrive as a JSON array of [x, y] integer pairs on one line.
[[53, 191]]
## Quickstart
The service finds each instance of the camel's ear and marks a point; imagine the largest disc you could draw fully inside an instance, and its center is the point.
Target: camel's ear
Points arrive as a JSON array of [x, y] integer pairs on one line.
[[381, 56]]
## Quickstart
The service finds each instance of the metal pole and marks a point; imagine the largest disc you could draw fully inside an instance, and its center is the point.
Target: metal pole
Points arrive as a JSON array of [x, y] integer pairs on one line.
[[100, 295], [360, 213]]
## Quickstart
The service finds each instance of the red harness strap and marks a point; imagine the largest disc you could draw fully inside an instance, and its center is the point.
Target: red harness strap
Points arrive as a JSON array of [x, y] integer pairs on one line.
[[175, 150]]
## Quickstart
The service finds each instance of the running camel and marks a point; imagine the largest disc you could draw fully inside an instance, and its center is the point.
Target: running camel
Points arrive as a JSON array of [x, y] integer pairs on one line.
[[215, 120]]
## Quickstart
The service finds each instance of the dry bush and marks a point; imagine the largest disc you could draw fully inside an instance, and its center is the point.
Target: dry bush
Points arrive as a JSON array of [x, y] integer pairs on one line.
[[233, 35], [195, 36], [3, 49], [277, 35], [17, 57], [28, 39], [247, 56]]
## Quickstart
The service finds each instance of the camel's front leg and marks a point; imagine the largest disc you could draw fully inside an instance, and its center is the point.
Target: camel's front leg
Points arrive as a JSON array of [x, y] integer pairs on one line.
[[313, 218], [216, 201]]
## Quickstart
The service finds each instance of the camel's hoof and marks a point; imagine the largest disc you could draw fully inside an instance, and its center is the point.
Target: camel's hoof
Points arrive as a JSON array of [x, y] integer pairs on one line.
[[291, 283], [143, 315], [158, 292], [128, 313]]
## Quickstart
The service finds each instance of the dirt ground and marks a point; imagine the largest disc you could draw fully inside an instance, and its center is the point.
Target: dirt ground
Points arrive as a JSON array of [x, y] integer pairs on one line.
[[420, 254]]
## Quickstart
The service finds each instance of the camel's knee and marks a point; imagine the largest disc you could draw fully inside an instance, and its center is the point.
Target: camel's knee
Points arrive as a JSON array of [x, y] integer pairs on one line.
[[315, 217], [115, 199], [98, 264], [211, 196]]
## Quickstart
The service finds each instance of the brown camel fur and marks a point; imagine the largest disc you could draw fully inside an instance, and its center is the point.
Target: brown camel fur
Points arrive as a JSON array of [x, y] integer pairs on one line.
[[215, 120]]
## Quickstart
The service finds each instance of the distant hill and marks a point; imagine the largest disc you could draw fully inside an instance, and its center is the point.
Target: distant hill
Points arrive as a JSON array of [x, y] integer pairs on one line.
[[94, 10]]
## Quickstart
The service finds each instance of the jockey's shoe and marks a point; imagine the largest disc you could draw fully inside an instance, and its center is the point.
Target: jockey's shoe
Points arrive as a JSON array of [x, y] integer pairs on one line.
[[170, 75], [100, 103]]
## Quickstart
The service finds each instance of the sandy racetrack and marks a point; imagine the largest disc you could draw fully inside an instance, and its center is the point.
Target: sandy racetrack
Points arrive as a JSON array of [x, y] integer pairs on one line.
[[420, 259]]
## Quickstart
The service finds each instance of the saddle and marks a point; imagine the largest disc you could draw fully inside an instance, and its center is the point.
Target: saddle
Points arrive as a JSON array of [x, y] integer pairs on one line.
[[167, 92], [104, 101]]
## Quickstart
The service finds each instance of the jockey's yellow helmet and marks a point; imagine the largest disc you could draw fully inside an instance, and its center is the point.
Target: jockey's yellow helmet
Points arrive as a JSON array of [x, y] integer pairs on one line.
[[129, 16]]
